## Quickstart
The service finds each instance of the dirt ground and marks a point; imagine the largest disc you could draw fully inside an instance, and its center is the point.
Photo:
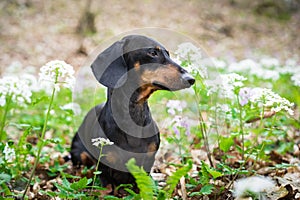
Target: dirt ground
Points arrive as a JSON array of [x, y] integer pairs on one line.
[[34, 32]]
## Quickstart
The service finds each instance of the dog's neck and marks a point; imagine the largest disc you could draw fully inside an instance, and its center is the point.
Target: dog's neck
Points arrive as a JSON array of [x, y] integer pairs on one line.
[[130, 107]]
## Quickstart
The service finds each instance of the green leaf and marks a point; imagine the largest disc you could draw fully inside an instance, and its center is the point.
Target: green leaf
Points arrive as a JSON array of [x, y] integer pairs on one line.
[[162, 195], [207, 189], [214, 173], [174, 179], [5, 178], [143, 181], [109, 197], [81, 184], [97, 172], [226, 143]]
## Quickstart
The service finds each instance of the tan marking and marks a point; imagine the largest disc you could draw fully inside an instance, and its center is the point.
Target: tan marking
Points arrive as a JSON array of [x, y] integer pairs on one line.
[[152, 148], [146, 91], [166, 75], [158, 48], [86, 159], [137, 65], [111, 157]]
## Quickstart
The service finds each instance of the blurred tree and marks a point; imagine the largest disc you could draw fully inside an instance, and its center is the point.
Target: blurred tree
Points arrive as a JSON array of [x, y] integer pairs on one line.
[[86, 23], [278, 9]]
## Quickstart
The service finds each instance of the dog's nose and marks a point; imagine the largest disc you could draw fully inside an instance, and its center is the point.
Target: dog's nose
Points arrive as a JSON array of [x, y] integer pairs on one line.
[[188, 78], [191, 81]]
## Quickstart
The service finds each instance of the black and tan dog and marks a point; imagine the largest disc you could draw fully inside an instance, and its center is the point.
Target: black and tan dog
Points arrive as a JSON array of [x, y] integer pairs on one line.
[[132, 69]]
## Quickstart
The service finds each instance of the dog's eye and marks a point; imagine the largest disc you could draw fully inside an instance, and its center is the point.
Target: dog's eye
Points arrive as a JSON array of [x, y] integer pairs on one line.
[[153, 53]]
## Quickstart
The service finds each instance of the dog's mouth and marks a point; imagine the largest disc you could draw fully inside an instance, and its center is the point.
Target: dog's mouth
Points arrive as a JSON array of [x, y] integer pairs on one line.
[[175, 87], [161, 86]]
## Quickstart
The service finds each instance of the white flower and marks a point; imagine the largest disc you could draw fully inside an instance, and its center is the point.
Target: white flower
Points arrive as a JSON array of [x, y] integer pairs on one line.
[[296, 79], [257, 185], [268, 99], [243, 66], [214, 62], [98, 142], [223, 111], [18, 90], [175, 105], [185, 50], [56, 73], [265, 74], [9, 153], [270, 62], [225, 85], [262, 70], [219, 64], [191, 58], [72, 106], [32, 81]]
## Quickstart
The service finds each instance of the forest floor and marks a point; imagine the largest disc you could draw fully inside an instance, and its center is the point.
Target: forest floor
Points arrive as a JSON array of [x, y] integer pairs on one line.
[[33, 32]]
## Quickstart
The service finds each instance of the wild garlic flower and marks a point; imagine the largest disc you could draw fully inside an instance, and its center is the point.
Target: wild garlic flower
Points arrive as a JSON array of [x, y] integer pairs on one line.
[[255, 185], [263, 69], [269, 62], [243, 66], [72, 106], [9, 153], [15, 89], [174, 106], [296, 79], [100, 142], [57, 73], [225, 85], [191, 58], [264, 97]]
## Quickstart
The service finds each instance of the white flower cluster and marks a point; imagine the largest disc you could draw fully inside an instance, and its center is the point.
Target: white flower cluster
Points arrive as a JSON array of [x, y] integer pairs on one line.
[[256, 184], [191, 58], [56, 73], [98, 142], [174, 106], [72, 106], [9, 153], [265, 69], [225, 85], [296, 79], [268, 99], [19, 91], [26, 73], [263, 97]]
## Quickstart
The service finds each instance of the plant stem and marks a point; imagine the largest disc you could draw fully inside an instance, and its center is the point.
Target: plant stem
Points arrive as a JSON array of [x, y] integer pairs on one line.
[[40, 144], [8, 101], [204, 133], [241, 126], [95, 175]]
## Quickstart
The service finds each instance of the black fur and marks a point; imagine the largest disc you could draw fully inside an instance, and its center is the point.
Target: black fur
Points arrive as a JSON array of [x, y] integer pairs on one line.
[[124, 68]]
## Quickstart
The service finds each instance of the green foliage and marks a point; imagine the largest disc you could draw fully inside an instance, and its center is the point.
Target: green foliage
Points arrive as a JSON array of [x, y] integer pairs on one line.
[[226, 143], [143, 181], [74, 190], [213, 119], [175, 177]]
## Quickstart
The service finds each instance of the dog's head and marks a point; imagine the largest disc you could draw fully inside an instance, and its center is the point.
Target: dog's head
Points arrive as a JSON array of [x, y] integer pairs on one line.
[[146, 60]]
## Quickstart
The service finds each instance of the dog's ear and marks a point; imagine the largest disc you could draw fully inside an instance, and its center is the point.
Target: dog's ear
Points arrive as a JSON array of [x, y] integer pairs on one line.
[[109, 68]]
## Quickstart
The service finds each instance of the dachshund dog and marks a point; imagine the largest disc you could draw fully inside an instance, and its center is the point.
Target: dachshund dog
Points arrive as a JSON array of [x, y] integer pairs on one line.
[[131, 69]]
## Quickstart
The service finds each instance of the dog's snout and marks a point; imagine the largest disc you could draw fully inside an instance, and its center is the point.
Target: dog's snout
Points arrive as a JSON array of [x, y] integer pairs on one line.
[[188, 78], [191, 81]]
